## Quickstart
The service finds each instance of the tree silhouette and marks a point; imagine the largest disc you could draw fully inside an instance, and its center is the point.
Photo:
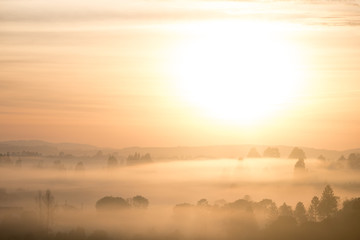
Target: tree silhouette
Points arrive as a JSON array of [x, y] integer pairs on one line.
[[328, 203], [138, 159], [300, 164], [342, 158], [112, 162], [99, 154], [297, 153], [109, 203], [271, 152], [240, 204], [300, 213], [202, 203], [49, 203], [313, 212], [140, 202], [272, 212], [354, 160], [350, 214], [253, 153], [285, 210], [270, 209], [58, 165], [299, 168], [38, 199]]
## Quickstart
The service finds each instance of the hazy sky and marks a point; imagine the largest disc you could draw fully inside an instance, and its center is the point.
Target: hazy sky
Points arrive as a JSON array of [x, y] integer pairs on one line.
[[169, 73]]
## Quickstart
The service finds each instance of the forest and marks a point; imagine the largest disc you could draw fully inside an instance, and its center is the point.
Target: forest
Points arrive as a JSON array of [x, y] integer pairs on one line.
[[241, 219]]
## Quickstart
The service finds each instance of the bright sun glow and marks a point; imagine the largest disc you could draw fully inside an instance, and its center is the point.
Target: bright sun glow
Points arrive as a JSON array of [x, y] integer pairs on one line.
[[240, 73]]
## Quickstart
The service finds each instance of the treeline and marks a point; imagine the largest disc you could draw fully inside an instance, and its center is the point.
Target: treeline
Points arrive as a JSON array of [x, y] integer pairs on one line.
[[112, 162], [132, 159], [322, 219], [352, 161], [21, 154], [319, 208], [111, 204]]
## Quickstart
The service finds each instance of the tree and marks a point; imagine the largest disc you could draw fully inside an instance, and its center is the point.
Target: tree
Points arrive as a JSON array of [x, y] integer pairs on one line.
[[79, 166], [110, 203], [146, 157], [271, 152], [137, 158], [300, 213], [140, 202], [300, 164], [49, 203], [58, 165], [313, 211], [354, 161], [253, 153], [350, 213], [299, 167], [270, 209], [272, 212], [240, 204], [328, 203], [297, 153], [38, 199], [285, 210], [202, 203], [220, 203], [99, 154], [112, 162]]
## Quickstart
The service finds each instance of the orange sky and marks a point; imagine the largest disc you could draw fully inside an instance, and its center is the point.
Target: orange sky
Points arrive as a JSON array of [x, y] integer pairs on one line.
[[108, 73]]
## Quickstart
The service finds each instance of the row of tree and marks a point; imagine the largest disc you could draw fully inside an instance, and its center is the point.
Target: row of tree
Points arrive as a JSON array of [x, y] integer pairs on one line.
[[111, 204], [352, 161], [132, 159], [21, 154], [318, 210], [321, 220], [272, 152]]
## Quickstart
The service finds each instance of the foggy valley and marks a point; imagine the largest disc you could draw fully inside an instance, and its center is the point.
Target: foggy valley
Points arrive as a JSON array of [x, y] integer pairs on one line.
[[179, 120], [149, 198]]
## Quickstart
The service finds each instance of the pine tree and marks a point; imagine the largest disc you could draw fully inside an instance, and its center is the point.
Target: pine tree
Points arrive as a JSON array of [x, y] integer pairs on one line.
[[328, 203], [272, 212], [300, 213], [285, 210], [314, 209]]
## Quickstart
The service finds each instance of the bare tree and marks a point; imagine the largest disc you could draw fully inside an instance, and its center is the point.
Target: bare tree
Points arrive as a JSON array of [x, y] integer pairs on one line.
[[38, 199], [49, 203]]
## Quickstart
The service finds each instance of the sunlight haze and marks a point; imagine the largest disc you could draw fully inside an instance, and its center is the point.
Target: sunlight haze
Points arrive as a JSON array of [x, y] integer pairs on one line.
[[156, 73], [179, 120]]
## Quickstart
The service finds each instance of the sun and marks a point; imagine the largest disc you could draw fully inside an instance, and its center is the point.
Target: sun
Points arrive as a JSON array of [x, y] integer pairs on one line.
[[241, 74]]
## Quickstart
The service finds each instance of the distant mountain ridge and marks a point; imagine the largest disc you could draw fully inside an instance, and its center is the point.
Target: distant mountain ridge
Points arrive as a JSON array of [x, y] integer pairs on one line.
[[181, 152]]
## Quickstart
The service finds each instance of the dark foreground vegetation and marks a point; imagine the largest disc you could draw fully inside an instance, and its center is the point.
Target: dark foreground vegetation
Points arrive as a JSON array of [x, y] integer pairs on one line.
[[241, 219]]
